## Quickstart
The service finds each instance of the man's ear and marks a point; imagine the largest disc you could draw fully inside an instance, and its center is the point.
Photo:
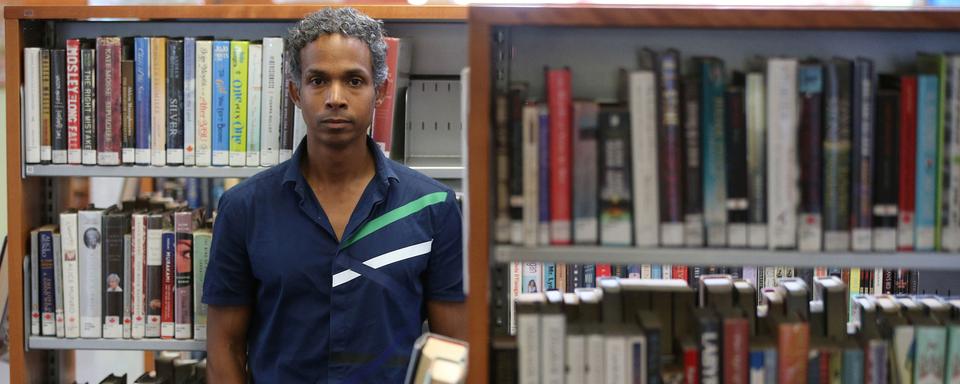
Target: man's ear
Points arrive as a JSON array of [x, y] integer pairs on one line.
[[382, 92], [294, 93]]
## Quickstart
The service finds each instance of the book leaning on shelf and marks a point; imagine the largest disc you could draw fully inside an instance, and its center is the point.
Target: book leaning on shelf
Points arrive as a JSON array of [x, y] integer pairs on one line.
[[130, 271], [191, 101]]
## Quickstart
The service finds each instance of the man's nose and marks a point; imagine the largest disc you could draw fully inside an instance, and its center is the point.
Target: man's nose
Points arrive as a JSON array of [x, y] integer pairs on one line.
[[335, 98]]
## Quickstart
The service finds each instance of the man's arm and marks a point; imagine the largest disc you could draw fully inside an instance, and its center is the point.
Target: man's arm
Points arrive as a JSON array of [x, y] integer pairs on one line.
[[448, 318], [227, 343]]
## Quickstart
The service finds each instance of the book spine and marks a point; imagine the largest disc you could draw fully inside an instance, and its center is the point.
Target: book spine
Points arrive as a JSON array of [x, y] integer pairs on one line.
[[887, 160], [714, 154], [670, 140], [756, 161], [143, 81], [615, 197], [515, 183], [154, 280], [128, 113], [35, 283], [543, 162], [950, 190], [836, 152], [287, 112], [853, 366], [91, 261], [238, 102], [204, 112], [183, 275], [693, 192], [691, 365], [736, 350], [71, 275], [953, 354], [926, 174], [528, 345], [31, 104], [532, 277], [942, 171], [46, 128], [908, 163], [559, 104], [642, 160], [88, 105], [585, 224], [709, 350], [273, 90], [58, 107], [127, 287], [48, 287], [254, 90], [201, 257], [138, 256], [516, 288], [113, 231], [158, 101], [531, 131], [174, 102], [73, 101], [782, 152], [810, 84], [575, 359], [793, 341], [221, 103], [383, 115], [553, 334], [108, 101], [931, 353], [864, 86], [58, 287], [738, 202], [168, 292], [189, 101], [877, 361]]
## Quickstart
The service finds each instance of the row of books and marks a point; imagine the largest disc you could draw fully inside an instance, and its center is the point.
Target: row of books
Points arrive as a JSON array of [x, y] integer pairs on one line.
[[130, 271], [191, 101], [171, 368], [792, 154], [659, 331]]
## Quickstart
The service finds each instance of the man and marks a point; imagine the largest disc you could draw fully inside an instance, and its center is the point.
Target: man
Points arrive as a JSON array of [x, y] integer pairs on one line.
[[323, 268]]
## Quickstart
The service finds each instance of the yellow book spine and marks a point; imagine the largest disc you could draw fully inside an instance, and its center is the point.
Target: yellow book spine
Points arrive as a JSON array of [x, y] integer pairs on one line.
[[238, 102]]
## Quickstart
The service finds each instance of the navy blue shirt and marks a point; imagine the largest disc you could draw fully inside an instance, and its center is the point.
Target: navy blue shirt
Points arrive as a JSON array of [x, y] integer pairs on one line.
[[327, 310]]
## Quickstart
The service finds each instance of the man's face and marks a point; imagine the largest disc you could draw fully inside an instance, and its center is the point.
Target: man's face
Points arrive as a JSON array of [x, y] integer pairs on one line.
[[337, 92]]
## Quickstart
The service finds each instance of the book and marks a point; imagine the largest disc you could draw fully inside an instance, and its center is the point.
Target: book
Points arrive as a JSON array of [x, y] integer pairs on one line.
[[153, 279], [31, 104], [515, 102], [168, 297], [274, 89], [287, 114], [220, 110], [202, 239], [693, 191], [138, 265], [552, 337], [174, 102], [670, 141], [43, 242], [89, 231], [189, 101], [73, 100], [585, 178], [836, 155], [863, 107], [116, 224], [908, 163], [239, 66], [71, 273], [58, 287], [109, 118], [58, 104], [782, 177], [928, 123], [128, 108], [559, 103], [639, 158], [385, 116], [950, 149], [183, 225], [887, 161], [528, 337], [615, 185], [158, 101], [809, 219], [737, 173], [204, 103], [543, 164], [254, 91], [46, 129], [756, 160], [531, 132], [144, 95], [714, 152]]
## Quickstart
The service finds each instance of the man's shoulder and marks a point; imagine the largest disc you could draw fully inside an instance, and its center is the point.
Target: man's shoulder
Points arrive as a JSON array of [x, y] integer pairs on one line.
[[416, 183]]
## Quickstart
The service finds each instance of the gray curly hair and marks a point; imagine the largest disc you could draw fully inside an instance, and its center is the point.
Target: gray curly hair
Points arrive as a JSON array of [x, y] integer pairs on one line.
[[347, 21]]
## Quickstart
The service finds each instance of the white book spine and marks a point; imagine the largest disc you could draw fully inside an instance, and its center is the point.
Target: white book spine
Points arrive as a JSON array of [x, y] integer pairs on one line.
[[189, 101], [90, 255], [528, 345], [158, 103], [204, 94], [254, 89], [273, 90], [58, 284], [299, 127], [576, 369], [154, 259], [516, 288], [693, 230], [127, 287], [667, 271], [756, 159], [531, 169], [737, 235], [885, 239], [31, 85], [862, 239], [643, 133], [554, 332], [810, 235], [614, 359], [596, 354], [138, 248], [71, 274], [782, 165]]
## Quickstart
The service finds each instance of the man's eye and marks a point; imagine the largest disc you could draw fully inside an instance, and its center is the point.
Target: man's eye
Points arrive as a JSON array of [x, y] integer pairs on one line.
[[317, 81], [356, 82]]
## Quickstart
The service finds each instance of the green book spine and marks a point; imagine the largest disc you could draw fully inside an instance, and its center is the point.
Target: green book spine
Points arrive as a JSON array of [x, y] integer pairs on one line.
[[201, 256], [238, 102]]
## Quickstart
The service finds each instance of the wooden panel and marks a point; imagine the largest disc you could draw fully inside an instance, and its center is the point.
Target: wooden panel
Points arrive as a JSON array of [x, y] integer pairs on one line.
[[478, 152], [599, 16], [228, 12]]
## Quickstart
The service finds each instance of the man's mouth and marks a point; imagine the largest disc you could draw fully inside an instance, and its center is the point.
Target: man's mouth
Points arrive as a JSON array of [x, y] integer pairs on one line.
[[335, 122]]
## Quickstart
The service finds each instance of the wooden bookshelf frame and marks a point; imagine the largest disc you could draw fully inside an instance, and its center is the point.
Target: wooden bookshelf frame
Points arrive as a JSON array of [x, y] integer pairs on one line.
[[25, 196], [484, 19]]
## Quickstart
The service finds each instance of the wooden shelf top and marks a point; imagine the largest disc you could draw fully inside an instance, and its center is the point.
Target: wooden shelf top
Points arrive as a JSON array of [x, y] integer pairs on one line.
[[253, 12], [726, 17]]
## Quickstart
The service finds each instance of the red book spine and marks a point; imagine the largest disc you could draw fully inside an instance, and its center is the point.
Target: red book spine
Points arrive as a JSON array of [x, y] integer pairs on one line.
[[108, 101], [167, 294], [736, 351], [908, 161], [560, 104], [680, 272], [824, 368], [691, 365], [603, 270], [383, 115], [73, 101], [793, 345]]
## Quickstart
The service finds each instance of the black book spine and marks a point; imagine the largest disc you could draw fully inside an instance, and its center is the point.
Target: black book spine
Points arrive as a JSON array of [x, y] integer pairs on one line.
[[810, 143], [115, 226], [886, 153], [864, 83], [836, 155], [709, 328], [515, 172], [58, 103], [670, 138], [287, 111], [736, 143], [500, 300], [128, 110], [175, 100], [693, 190], [88, 103]]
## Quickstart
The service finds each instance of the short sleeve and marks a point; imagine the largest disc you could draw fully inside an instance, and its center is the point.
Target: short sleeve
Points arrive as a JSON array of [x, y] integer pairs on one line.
[[444, 277], [229, 280]]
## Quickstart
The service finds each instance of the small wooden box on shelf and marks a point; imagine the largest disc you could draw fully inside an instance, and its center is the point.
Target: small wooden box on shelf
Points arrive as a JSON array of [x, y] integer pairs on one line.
[[512, 43], [26, 186]]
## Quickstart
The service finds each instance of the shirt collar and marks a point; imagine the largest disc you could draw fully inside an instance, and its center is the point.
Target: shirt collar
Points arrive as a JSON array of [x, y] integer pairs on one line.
[[384, 171]]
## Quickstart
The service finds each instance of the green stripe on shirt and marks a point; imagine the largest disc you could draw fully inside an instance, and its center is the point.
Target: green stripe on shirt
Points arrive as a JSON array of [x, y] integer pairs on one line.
[[396, 214]]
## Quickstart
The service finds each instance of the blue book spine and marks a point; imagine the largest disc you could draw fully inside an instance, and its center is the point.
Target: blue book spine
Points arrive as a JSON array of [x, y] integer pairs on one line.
[[48, 289], [853, 366], [221, 101], [543, 231], [189, 100], [589, 276], [633, 271], [756, 367], [656, 272], [193, 192], [549, 276], [141, 81], [653, 357], [714, 152], [926, 182], [813, 368], [770, 366]]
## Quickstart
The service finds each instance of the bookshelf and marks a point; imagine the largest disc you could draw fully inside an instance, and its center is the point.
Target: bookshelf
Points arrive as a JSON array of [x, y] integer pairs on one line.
[[515, 43], [438, 33]]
